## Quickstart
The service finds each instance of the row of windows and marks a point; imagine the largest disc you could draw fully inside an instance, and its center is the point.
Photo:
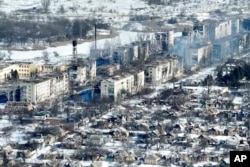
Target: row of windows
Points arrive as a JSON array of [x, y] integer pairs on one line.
[[24, 66], [25, 70], [24, 74]]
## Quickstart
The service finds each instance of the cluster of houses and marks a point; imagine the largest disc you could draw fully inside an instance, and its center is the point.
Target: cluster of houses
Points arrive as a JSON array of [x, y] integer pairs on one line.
[[191, 125], [149, 131]]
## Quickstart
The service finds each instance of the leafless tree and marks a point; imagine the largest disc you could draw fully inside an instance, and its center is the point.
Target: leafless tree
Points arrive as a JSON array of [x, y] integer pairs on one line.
[[45, 5], [56, 54], [46, 57]]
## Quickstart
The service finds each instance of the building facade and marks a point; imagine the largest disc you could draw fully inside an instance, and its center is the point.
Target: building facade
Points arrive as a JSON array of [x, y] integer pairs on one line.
[[114, 88], [26, 69], [41, 89], [5, 71]]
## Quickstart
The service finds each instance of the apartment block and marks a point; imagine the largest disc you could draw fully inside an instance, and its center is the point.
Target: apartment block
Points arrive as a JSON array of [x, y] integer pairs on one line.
[[48, 68], [139, 81], [113, 88], [25, 69], [162, 70], [216, 29], [108, 70], [121, 55], [5, 71], [45, 87], [199, 54]]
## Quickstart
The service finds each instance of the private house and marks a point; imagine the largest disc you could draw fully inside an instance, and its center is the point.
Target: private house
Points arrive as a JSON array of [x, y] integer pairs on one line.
[[41, 115], [97, 140], [152, 159]]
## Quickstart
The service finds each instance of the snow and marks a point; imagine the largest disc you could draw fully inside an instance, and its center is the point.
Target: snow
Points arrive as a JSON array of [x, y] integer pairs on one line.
[[147, 165], [82, 8], [201, 164], [65, 52], [2, 106], [237, 100], [133, 27]]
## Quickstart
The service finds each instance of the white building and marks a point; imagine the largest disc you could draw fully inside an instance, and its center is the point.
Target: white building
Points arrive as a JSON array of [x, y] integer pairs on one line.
[[162, 70], [5, 71], [121, 55], [164, 40], [216, 29], [44, 88], [139, 81], [113, 88], [198, 55]]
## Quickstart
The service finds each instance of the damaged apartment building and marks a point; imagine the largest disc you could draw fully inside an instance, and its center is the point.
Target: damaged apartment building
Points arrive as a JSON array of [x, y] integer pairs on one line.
[[162, 70], [120, 85], [44, 87]]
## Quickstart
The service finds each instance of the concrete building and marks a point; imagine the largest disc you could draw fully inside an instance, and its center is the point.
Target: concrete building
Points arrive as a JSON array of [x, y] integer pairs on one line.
[[5, 71], [44, 88], [162, 70], [121, 55], [134, 51], [164, 40], [139, 81], [144, 50], [26, 69], [90, 69], [216, 29], [198, 55], [81, 75], [235, 23], [108, 70], [114, 88], [48, 68], [220, 50]]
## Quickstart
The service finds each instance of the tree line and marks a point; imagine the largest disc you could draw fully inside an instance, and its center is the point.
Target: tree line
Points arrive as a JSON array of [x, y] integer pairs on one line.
[[233, 77], [14, 31]]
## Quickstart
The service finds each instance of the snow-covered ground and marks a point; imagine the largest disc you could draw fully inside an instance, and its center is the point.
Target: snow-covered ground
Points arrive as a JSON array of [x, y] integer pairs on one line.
[[82, 6], [65, 52]]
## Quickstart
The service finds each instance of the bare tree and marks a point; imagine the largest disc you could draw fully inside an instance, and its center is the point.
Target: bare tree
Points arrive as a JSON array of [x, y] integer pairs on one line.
[[46, 57], [45, 5], [56, 54]]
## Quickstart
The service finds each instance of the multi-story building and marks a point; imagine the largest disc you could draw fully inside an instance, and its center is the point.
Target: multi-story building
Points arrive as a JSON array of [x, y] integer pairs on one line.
[[162, 70], [5, 71], [134, 52], [164, 40], [43, 88], [114, 88], [90, 69], [216, 29], [139, 81], [235, 23], [48, 68], [26, 69], [221, 50], [198, 55], [121, 55], [108, 70]]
